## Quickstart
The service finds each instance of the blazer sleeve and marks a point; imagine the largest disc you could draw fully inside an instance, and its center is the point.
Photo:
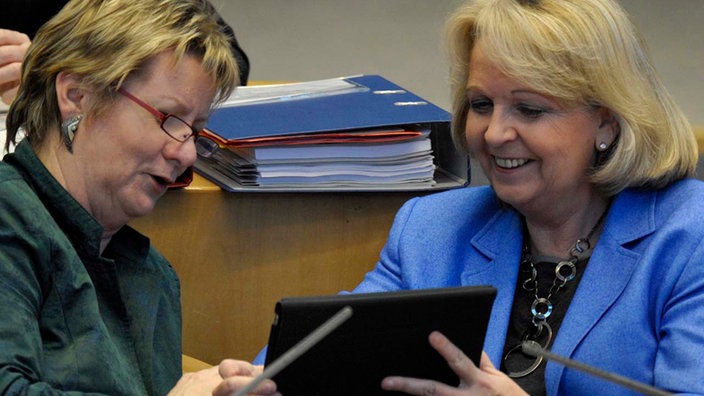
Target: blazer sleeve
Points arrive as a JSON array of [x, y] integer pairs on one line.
[[679, 364], [386, 275]]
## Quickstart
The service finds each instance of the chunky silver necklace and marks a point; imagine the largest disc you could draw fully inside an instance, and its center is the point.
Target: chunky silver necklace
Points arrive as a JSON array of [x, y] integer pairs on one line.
[[540, 333]]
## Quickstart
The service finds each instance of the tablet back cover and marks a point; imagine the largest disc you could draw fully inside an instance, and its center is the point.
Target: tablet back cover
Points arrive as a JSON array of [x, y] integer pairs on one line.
[[386, 335]]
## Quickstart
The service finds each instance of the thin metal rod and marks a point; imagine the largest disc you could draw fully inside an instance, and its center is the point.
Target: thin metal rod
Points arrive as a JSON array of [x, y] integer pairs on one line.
[[299, 349], [536, 351]]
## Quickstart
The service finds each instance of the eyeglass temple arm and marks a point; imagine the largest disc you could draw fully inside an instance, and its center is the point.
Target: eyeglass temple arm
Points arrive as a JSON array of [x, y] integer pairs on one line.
[[156, 113]]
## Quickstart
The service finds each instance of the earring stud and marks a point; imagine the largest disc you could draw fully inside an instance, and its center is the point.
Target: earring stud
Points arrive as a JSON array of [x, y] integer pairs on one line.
[[603, 146]]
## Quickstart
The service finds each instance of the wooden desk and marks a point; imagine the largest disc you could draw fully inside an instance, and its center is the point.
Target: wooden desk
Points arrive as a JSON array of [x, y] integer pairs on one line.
[[238, 253]]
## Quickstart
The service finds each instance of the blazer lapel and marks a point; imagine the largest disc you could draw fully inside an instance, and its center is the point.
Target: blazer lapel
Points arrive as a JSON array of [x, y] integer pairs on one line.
[[495, 262], [607, 274]]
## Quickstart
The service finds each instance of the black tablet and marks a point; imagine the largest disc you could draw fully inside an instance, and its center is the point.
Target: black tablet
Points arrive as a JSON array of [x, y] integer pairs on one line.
[[386, 335]]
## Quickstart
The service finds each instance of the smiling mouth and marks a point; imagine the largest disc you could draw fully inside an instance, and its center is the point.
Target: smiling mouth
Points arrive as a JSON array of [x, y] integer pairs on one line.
[[510, 163]]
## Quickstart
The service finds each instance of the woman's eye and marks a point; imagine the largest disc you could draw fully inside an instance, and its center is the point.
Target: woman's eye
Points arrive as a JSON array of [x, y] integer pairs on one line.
[[480, 106], [530, 111]]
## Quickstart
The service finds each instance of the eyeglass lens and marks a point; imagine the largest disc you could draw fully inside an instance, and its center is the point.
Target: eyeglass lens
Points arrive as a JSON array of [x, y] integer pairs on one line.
[[206, 147], [177, 128], [181, 131]]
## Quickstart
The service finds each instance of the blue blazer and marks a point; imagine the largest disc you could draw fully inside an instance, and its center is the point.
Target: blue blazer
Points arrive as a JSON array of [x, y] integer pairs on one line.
[[638, 310]]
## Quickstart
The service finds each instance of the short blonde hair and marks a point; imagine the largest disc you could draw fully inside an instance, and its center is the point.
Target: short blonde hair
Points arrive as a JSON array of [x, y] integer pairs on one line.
[[105, 41], [581, 52]]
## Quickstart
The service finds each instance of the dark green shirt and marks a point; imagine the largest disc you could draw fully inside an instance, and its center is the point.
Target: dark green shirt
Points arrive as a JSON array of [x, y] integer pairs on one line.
[[72, 320]]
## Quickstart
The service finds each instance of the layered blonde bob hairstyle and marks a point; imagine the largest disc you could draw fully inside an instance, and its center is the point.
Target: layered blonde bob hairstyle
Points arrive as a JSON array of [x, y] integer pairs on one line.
[[105, 41], [580, 52]]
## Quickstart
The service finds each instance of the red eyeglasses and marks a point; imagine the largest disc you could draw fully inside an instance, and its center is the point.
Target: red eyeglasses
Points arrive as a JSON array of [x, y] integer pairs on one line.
[[175, 127]]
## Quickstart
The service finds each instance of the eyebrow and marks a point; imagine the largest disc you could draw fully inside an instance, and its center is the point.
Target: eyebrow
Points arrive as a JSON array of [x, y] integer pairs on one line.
[[473, 88], [181, 108]]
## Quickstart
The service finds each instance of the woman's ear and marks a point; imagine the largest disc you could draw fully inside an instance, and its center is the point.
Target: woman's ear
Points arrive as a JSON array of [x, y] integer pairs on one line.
[[609, 128], [70, 94]]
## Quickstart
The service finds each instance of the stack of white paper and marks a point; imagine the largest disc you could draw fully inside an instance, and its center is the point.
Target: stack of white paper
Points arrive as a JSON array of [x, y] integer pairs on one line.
[[374, 165]]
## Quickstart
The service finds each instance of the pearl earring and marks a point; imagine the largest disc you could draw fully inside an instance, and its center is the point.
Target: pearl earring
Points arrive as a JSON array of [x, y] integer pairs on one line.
[[603, 146]]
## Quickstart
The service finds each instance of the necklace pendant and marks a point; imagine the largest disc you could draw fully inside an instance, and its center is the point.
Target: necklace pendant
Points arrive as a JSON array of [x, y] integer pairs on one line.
[[518, 350], [531, 368], [541, 308], [569, 268]]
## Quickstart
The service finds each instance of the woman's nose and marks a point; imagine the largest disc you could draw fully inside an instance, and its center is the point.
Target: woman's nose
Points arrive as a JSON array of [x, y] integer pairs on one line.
[[499, 129], [182, 152]]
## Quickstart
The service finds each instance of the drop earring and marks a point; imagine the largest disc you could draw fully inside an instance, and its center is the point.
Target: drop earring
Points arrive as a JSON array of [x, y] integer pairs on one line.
[[68, 131]]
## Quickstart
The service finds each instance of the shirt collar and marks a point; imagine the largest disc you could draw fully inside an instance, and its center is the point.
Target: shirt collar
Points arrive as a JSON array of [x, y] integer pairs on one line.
[[81, 227]]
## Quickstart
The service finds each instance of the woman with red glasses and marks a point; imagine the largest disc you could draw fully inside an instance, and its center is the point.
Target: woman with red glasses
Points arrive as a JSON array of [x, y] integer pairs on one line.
[[113, 94]]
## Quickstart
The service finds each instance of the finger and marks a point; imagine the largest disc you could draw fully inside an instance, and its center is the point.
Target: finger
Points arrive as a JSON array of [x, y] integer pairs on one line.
[[197, 382], [210, 374], [9, 77], [6, 86], [485, 363], [415, 386], [231, 368], [456, 359], [11, 37], [8, 92], [8, 97], [232, 384], [258, 370], [11, 53]]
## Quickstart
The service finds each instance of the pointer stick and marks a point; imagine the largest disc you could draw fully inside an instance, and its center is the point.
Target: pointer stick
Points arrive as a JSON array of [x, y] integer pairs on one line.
[[299, 349], [535, 350]]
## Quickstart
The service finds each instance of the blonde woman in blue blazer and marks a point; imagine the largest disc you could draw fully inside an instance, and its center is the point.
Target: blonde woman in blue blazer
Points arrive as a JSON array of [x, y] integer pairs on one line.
[[591, 229]]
